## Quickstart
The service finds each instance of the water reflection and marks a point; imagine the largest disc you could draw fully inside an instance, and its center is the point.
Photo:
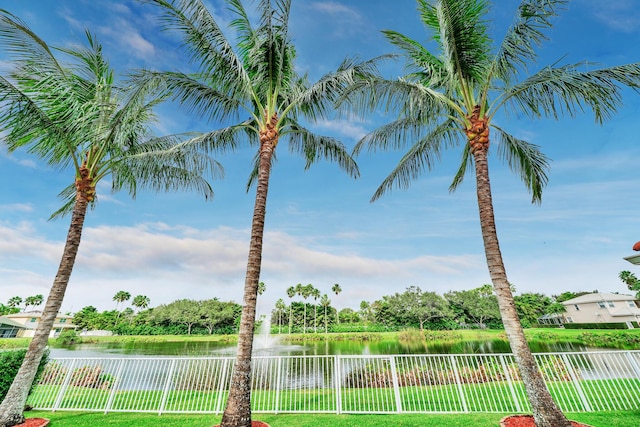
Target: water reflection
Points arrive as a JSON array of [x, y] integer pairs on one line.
[[324, 347]]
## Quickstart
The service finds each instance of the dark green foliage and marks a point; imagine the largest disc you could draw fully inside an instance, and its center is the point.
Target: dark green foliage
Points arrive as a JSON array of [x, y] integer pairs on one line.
[[10, 362], [618, 325], [67, 337]]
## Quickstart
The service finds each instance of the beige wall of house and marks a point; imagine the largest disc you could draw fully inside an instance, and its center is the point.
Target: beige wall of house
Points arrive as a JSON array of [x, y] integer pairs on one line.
[[30, 320], [601, 308]]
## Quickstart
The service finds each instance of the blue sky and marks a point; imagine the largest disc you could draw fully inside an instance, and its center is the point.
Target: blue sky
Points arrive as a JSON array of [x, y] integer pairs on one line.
[[320, 226]]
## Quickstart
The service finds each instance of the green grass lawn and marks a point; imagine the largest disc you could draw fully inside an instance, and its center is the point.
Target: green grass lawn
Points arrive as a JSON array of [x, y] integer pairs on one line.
[[75, 419]]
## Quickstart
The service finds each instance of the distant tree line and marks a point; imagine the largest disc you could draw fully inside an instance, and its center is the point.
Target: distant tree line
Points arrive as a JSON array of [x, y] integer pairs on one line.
[[413, 308], [181, 317]]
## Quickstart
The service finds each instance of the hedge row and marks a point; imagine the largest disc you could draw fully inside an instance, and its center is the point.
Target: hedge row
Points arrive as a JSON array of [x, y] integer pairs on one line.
[[10, 361]]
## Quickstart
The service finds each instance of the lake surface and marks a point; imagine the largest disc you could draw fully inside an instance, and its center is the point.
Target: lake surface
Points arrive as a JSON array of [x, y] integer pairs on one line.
[[273, 346]]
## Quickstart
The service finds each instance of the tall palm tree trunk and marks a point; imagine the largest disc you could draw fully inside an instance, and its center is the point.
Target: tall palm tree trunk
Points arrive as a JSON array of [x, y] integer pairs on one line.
[[237, 412], [12, 407], [545, 411]]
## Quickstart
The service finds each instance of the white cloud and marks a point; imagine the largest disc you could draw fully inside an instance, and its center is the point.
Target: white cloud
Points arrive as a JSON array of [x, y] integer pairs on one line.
[[17, 207], [128, 38], [352, 129]]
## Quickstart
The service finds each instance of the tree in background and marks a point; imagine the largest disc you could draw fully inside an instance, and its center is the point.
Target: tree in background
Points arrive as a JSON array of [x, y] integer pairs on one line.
[[325, 302], [336, 289], [417, 307], [291, 292], [476, 305], [141, 302], [14, 302], [120, 297], [280, 309], [531, 306], [215, 313], [33, 301], [450, 98], [76, 116], [315, 293], [632, 282]]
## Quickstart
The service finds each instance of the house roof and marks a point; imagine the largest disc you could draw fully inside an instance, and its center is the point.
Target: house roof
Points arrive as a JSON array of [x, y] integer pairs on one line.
[[6, 321], [37, 314], [596, 297]]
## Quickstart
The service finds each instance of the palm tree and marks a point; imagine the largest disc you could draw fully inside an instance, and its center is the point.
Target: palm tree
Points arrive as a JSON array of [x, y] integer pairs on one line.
[[305, 292], [120, 297], [33, 301], [453, 95], [291, 292], [140, 302], [75, 115], [14, 301], [257, 79], [315, 293], [280, 307], [325, 302], [336, 289]]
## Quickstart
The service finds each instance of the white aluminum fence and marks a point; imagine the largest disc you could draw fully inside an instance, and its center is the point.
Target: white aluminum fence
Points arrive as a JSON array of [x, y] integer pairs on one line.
[[589, 381]]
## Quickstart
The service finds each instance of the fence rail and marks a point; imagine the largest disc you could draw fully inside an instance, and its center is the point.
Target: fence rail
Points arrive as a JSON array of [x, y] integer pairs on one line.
[[579, 382]]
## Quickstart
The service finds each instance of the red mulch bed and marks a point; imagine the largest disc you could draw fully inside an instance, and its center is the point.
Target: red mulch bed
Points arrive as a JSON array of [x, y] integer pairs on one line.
[[34, 422], [527, 421], [253, 424]]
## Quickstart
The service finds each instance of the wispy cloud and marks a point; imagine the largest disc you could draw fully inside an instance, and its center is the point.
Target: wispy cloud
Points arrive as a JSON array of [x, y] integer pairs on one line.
[[621, 15], [344, 21]]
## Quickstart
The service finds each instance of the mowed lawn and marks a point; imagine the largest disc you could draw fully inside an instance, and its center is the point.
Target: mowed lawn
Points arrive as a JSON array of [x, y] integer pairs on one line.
[[75, 419]]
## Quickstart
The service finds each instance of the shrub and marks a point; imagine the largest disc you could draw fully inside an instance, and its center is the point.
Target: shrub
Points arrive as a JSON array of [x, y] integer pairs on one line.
[[67, 337], [618, 325], [10, 362]]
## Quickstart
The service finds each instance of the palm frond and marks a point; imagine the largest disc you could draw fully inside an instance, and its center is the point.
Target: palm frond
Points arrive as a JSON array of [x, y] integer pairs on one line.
[[394, 135], [461, 31], [197, 96], [465, 166], [314, 147], [206, 43], [526, 160], [420, 157], [225, 139], [253, 175], [319, 99], [518, 48], [566, 90], [427, 67], [407, 97], [22, 44]]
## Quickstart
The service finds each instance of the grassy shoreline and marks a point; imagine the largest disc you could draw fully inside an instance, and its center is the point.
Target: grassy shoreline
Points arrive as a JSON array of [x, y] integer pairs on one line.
[[615, 339], [73, 419]]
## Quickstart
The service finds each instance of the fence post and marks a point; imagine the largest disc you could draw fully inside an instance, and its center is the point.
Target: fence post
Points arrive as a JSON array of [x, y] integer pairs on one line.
[[633, 364], [576, 383], [396, 385], [165, 391], [278, 382], [116, 383], [463, 400], [514, 396], [223, 381], [338, 384], [65, 384]]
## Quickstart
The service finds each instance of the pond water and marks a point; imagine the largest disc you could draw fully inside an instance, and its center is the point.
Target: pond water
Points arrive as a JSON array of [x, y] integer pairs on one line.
[[274, 346]]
